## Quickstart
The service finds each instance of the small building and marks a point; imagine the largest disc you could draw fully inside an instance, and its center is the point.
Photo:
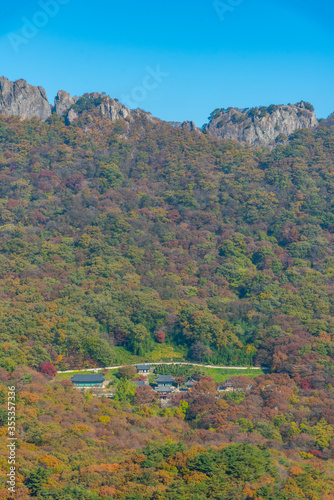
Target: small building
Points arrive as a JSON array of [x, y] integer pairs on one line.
[[84, 381], [164, 390], [140, 383], [190, 383], [165, 380], [226, 386], [143, 368]]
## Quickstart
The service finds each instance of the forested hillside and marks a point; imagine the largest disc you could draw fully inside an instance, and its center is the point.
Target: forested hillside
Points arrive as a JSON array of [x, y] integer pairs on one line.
[[111, 233], [118, 239], [272, 439]]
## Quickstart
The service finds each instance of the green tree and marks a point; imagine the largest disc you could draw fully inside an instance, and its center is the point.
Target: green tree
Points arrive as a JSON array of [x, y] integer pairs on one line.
[[125, 391], [245, 462]]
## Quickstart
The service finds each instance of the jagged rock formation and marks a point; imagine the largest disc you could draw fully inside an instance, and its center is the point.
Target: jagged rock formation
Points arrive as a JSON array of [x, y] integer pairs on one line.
[[257, 126], [63, 102], [112, 107], [94, 102], [27, 101], [24, 100], [190, 126], [260, 126], [187, 125]]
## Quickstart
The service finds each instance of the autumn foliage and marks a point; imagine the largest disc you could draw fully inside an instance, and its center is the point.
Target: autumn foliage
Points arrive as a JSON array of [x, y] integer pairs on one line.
[[47, 369], [121, 241]]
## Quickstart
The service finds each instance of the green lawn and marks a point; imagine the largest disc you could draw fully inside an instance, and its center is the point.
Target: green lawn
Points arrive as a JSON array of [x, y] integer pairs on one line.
[[221, 374]]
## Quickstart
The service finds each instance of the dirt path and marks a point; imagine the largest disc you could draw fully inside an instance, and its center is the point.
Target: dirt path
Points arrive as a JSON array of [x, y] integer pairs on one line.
[[170, 363]]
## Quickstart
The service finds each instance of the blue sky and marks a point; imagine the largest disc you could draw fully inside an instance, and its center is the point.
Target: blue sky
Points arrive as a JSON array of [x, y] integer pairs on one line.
[[255, 53]]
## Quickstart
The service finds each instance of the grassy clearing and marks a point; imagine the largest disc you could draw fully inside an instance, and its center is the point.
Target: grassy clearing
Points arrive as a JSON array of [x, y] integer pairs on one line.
[[160, 353], [220, 374]]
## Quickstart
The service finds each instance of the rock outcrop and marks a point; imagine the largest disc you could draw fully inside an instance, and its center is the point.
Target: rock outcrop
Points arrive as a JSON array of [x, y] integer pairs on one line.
[[187, 125], [63, 102], [27, 101], [112, 108], [264, 126], [190, 126], [24, 100], [95, 102]]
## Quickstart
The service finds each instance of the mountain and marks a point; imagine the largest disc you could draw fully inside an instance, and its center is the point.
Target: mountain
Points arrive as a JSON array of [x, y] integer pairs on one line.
[[27, 101], [135, 225], [136, 240], [264, 126]]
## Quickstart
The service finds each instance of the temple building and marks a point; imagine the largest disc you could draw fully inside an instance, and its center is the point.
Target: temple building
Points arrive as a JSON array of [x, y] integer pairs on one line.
[[83, 381]]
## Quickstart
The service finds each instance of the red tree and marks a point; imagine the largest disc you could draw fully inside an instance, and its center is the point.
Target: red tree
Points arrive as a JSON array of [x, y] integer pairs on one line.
[[160, 336], [47, 369]]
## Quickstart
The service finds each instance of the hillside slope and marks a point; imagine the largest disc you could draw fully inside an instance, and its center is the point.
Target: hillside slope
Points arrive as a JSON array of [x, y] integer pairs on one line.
[[133, 239], [112, 232]]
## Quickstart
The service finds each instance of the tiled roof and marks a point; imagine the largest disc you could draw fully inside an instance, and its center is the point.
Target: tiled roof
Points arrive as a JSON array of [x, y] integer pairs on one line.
[[164, 389], [88, 378], [190, 383], [143, 367], [165, 378]]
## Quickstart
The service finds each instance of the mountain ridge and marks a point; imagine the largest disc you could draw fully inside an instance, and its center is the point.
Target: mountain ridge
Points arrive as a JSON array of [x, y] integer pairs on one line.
[[260, 126]]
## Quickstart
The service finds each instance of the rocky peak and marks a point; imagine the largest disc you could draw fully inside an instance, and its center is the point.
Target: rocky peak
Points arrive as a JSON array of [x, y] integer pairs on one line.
[[63, 102], [27, 101], [95, 101], [187, 125], [21, 99], [264, 126]]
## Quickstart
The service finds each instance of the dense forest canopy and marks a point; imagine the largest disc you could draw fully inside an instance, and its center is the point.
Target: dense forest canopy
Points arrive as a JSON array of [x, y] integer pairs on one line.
[[111, 233], [118, 237]]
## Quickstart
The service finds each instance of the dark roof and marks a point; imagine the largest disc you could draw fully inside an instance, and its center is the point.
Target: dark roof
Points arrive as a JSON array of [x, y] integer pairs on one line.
[[190, 382], [165, 378], [164, 389], [143, 367], [139, 383], [98, 377]]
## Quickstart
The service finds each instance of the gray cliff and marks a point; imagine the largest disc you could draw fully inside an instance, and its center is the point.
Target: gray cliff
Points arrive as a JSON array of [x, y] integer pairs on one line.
[[63, 102], [264, 126], [72, 108], [24, 100], [27, 101]]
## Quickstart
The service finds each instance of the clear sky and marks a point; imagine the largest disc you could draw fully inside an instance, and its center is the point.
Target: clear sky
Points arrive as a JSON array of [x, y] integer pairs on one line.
[[177, 59]]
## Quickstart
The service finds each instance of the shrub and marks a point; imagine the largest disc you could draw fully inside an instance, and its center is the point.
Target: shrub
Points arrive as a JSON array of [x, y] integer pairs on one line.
[[47, 369]]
